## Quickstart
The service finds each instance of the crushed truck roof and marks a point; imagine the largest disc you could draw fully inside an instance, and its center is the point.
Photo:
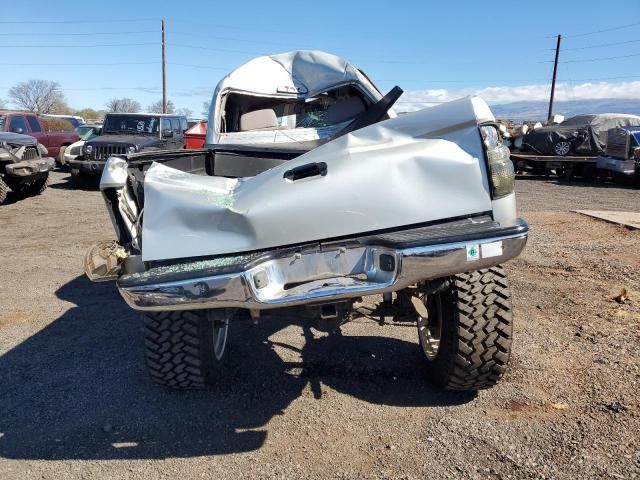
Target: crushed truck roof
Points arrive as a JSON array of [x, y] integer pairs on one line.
[[299, 72]]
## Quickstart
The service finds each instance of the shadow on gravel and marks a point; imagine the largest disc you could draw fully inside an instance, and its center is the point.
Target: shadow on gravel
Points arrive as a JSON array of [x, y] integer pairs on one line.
[[579, 182], [78, 389], [12, 198], [67, 183]]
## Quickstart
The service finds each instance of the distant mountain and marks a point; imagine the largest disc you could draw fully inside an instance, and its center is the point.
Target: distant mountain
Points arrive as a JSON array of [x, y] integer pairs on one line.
[[538, 110]]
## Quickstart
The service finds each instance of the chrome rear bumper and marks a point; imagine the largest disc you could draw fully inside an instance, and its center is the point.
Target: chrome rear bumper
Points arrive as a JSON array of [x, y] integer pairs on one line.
[[324, 274]]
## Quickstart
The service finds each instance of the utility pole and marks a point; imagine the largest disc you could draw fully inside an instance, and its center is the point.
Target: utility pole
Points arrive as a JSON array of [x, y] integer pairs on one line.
[[164, 74], [553, 81]]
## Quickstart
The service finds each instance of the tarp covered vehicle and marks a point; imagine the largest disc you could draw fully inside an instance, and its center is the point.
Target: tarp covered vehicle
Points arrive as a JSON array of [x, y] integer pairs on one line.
[[579, 135], [622, 155], [419, 208]]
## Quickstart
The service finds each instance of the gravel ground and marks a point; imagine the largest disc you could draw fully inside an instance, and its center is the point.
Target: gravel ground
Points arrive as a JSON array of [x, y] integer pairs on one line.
[[75, 401]]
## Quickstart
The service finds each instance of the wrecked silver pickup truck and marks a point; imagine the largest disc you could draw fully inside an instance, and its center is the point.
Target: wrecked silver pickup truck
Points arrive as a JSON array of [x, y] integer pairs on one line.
[[419, 208]]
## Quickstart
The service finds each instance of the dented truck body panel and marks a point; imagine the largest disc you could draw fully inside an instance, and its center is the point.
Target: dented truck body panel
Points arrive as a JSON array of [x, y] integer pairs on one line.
[[416, 168]]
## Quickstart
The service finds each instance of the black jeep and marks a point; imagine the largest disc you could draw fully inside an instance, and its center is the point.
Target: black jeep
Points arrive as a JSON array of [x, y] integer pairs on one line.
[[24, 166], [125, 133]]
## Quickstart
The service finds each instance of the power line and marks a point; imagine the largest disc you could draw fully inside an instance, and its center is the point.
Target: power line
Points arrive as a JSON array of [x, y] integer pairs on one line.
[[82, 45], [604, 78], [74, 21], [199, 66], [219, 26], [199, 47], [77, 34], [602, 58], [76, 64], [394, 62], [602, 45], [619, 27], [595, 59], [150, 89], [230, 39], [457, 81]]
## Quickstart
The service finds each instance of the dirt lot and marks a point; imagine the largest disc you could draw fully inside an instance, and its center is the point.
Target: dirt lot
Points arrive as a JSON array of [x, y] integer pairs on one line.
[[75, 401]]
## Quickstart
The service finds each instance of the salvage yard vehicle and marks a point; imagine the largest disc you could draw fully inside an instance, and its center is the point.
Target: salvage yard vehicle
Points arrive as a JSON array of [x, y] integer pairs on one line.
[[570, 148], [125, 133], [54, 133], [86, 132], [622, 154], [24, 166], [74, 120], [419, 208], [580, 135]]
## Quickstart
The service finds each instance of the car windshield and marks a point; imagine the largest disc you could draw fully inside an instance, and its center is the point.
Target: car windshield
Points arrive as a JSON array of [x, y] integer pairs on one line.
[[136, 124], [2, 119], [86, 133]]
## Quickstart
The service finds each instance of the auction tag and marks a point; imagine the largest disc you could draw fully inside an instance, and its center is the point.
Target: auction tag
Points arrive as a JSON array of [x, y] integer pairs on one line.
[[473, 252]]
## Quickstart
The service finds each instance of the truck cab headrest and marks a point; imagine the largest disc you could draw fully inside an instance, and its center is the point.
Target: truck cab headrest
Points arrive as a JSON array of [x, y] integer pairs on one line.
[[258, 120]]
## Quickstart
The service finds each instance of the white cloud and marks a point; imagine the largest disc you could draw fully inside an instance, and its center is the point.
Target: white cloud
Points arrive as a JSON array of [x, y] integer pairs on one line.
[[416, 99]]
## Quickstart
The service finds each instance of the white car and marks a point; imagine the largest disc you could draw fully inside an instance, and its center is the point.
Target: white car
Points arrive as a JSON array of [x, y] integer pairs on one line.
[[86, 132], [418, 208]]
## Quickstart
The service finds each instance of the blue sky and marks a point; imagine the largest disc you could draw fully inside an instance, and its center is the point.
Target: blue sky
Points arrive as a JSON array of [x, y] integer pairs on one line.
[[434, 50]]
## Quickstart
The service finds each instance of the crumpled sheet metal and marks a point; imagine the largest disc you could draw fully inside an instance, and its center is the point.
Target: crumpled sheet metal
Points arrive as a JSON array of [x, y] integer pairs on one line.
[[298, 74], [416, 168]]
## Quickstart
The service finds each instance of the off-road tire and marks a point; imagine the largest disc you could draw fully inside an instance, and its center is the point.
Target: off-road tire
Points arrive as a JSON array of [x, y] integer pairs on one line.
[[179, 348], [36, 188], [4, 191], [476, 331]]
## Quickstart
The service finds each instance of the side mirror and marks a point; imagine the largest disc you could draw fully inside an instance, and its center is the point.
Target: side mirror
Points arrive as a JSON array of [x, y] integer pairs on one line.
[[18, 130], [167, 133]]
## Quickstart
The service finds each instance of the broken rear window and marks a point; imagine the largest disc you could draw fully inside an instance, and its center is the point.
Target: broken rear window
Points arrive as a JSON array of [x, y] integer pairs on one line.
[[247, 113]]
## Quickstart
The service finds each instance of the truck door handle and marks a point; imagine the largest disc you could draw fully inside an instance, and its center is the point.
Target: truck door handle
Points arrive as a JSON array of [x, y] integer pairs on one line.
[[305, 171]]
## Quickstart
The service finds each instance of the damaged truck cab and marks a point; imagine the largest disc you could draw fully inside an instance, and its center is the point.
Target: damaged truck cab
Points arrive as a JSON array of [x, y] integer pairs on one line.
[[418, 208], [290, 98]]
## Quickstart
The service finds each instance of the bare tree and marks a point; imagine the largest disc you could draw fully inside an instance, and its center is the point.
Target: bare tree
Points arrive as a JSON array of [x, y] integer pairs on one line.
[[205, 109], [156, 107], [41, 96], [61, 108], [185, 112], [122, 105], [3, 104]]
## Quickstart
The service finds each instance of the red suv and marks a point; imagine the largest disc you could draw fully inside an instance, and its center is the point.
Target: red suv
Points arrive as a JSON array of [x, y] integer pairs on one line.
[[44, 131]]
